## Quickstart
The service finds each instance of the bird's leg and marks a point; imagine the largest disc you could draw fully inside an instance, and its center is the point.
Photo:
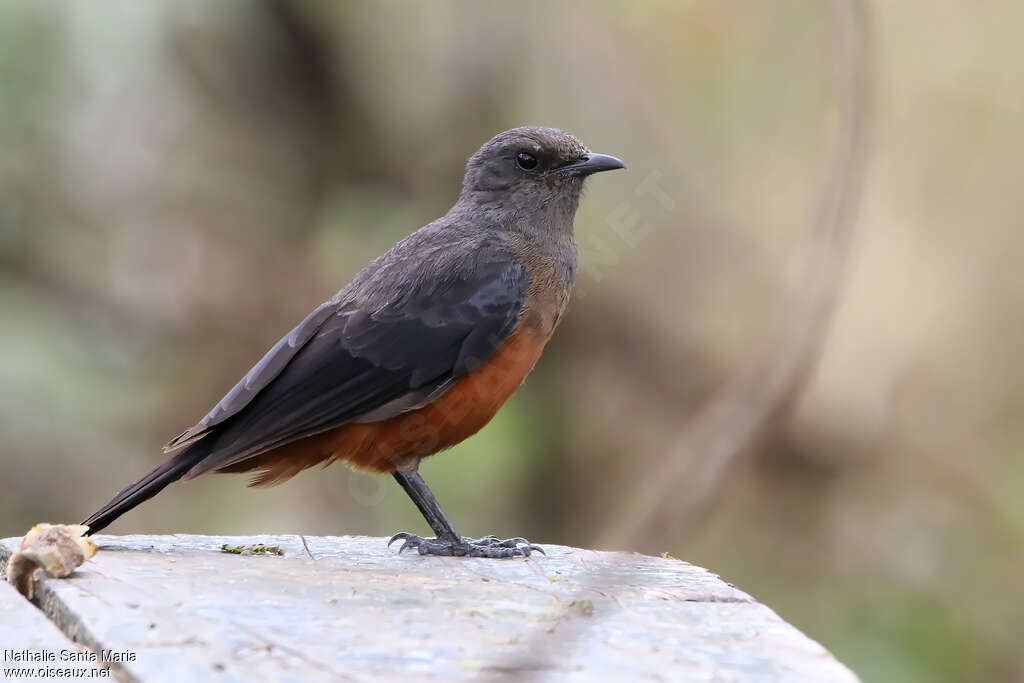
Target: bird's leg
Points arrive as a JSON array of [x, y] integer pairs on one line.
[[412, 483], [447, 540]]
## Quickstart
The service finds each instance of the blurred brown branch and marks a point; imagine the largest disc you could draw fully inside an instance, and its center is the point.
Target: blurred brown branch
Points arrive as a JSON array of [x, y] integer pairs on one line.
[[759, 396]]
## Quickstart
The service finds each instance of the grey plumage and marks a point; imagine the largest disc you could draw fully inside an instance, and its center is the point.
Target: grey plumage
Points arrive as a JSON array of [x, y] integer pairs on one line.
[[433, 308]]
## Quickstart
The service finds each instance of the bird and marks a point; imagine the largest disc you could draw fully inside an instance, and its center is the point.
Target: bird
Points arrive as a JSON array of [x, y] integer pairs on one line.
[[418, 352]]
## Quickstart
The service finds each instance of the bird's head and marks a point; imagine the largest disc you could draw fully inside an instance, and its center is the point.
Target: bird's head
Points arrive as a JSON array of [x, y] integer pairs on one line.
[[528, 169]]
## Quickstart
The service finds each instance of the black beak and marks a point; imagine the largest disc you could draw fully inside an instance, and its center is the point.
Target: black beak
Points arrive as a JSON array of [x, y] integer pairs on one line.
[[593, 163]]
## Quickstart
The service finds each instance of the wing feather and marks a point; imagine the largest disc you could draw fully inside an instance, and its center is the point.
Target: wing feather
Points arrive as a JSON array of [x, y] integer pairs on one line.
[[261, 374], [345, 363]]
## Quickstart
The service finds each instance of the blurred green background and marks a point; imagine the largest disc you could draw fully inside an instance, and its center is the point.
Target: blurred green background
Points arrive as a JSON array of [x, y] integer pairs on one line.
[[181, 182]]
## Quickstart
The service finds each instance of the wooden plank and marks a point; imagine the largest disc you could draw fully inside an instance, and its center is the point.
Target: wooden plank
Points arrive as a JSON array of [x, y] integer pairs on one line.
[[355, 609], [30, 643]]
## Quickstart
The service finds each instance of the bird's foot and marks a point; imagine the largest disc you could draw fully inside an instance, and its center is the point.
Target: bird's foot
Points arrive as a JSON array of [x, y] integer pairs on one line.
[[488, 546]]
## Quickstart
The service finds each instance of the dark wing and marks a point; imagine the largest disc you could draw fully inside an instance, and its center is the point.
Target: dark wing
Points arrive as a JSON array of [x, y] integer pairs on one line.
[[344, 363], [258, 377]]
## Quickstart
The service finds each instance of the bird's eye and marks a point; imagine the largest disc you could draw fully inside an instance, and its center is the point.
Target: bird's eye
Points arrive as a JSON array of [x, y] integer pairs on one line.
[[526, 161]]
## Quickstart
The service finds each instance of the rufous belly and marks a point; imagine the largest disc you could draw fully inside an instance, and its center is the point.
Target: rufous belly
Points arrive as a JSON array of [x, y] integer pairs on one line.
[[385, 445]]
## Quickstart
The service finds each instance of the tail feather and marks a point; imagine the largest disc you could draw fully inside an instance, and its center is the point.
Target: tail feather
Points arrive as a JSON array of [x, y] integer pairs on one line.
[[147, 487]]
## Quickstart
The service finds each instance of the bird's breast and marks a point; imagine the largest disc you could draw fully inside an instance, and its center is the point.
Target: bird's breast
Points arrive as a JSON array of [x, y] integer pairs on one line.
[[452, 417], [547, 297], [551, 265]]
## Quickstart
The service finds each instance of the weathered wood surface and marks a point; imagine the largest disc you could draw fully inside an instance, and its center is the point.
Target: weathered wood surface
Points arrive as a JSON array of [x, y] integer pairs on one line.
[[24, 629], [355, 610]]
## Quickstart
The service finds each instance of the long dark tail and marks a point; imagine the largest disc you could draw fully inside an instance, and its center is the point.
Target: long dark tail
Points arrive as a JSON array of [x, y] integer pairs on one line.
[[147, 487]]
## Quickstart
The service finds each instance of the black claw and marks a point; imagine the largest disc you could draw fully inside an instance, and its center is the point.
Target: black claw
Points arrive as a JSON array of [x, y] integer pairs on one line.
[[515, 542], [401, 534], [487, 546]]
